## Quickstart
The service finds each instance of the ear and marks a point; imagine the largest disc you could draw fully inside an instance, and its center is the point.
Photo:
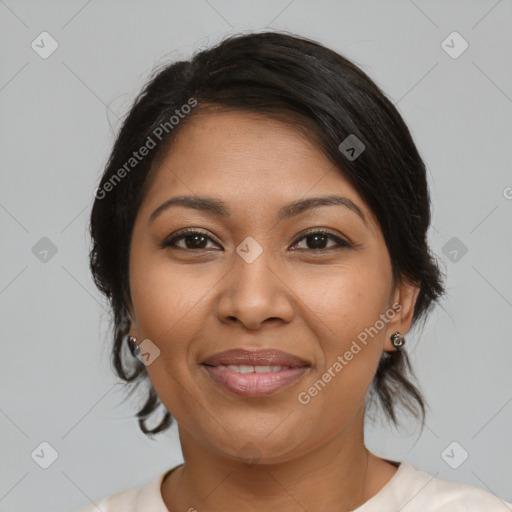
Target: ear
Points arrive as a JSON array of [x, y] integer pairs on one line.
[[403, 300], [133, 331]]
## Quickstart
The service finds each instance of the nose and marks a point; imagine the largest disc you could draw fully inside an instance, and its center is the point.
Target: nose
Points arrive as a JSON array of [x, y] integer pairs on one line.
[[253, 293]]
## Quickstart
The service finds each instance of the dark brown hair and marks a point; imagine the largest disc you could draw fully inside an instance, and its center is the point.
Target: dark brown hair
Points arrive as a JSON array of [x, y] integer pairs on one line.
[[296, 80]]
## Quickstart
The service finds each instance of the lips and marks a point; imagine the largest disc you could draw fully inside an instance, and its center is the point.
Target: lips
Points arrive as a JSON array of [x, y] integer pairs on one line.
[[263, 357], [255, 373]]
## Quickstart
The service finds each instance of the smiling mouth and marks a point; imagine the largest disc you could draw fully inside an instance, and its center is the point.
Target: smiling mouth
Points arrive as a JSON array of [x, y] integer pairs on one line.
[[255, 380], [255, 373]]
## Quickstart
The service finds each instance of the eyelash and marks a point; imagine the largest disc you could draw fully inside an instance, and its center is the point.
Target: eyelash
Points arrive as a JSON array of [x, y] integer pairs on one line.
[[343, 244]]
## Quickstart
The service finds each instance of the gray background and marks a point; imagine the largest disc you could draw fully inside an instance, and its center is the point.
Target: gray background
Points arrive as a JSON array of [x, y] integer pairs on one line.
[[58, 119]]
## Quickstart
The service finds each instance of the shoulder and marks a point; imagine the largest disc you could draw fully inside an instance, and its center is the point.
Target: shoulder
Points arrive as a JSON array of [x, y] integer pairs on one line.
[[146, 497], [429, 492], [124, 500], [119, 501]]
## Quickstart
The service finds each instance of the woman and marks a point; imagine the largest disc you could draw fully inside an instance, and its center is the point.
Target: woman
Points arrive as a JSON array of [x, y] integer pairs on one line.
[[261, 233]]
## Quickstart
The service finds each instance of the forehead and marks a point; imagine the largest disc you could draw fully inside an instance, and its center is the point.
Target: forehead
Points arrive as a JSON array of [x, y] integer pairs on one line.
[[240, 140], [247, 159]]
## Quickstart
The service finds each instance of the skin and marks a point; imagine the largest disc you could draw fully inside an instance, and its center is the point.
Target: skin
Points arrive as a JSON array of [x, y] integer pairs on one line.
[[194, 302]]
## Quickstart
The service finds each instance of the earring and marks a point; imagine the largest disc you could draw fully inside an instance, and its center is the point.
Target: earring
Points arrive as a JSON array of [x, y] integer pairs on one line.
[[134, 349], [397, 340]]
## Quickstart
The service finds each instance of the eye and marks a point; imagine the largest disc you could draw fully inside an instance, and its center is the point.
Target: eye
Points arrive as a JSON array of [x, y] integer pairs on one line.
[[318, 239], [192, 238], [198, 240]]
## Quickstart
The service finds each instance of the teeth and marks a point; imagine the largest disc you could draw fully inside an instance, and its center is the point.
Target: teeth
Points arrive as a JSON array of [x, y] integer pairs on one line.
[[262, 369], [244, 368]]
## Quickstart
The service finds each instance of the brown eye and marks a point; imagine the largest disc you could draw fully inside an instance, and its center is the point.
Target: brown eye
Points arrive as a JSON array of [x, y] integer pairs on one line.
[[317, 241], [197, 240]]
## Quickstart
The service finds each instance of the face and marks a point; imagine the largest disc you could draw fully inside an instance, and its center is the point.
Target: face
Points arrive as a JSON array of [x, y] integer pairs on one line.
[[303, 295]]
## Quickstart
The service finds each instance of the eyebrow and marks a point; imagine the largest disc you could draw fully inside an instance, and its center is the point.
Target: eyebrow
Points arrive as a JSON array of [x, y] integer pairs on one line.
[[221, 209]]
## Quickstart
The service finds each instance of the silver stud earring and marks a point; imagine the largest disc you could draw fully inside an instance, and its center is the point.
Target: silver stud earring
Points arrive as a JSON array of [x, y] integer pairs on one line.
[[134, 349], [397, 340]]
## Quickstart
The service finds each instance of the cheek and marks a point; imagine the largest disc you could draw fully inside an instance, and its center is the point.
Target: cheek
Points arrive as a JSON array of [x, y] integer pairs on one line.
[[171, 305], [167, 297], [344, 311], [343, 304]]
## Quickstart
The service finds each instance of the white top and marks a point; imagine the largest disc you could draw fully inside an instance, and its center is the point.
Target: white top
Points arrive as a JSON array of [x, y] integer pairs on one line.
[[409, 490]]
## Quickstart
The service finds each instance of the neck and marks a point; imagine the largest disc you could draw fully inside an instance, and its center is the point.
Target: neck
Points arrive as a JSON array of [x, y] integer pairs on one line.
[[338, 476]]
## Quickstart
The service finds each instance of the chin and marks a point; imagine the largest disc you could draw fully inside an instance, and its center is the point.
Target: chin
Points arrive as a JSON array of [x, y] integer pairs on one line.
[[253, 449]]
